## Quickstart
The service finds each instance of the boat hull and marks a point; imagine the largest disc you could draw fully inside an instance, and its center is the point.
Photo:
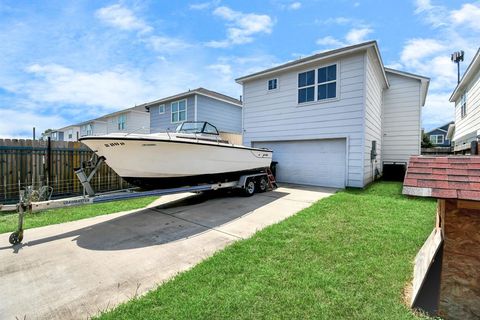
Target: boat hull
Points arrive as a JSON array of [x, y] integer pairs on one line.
[[172, 163]]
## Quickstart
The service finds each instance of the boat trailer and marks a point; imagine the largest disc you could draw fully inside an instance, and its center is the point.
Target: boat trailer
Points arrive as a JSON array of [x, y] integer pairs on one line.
[[248, 184]]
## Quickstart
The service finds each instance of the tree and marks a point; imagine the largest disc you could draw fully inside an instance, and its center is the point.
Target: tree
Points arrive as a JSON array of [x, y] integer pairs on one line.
[[426, 143]]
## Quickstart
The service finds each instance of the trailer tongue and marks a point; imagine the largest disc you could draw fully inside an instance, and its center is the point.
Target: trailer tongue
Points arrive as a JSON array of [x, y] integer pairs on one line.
[[247, 184]]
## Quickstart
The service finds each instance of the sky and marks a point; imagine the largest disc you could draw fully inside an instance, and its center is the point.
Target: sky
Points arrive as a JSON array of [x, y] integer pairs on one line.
[[63, 62]]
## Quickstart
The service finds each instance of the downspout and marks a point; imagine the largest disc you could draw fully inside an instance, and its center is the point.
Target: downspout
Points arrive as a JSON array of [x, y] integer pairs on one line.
[[195, 107]]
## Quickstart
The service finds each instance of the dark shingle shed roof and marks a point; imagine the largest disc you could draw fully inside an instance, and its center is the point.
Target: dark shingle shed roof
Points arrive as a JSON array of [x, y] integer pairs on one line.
[[453, 177]]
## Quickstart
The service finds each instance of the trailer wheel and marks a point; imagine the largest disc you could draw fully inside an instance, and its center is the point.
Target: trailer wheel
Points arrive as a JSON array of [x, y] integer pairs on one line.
[[262, 184], [249, 189], [15, 238]]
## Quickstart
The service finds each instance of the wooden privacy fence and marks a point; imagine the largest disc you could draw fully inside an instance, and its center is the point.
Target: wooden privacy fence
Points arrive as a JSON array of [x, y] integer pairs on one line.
[[40, 163]]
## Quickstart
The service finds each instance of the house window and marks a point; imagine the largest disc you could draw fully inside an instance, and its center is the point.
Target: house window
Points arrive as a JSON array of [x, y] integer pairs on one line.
[[463, 104], [327, 82], [70, 134], [161, 109], [437, 139], [179, 111], [122, 122], [88, 130], [306, 86], [272, 84]]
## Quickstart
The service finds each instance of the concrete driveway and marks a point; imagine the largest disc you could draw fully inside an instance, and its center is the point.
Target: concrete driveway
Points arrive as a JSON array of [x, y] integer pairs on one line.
[[76, 270]]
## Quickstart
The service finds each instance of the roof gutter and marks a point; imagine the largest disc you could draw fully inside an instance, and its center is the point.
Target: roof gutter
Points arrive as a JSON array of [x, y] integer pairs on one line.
[[292, 65]]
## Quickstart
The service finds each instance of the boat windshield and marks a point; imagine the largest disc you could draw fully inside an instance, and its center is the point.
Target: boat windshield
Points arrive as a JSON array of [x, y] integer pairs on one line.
[[197, 127]]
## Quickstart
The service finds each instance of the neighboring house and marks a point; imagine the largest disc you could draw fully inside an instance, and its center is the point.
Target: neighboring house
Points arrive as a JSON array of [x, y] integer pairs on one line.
[[200, 104], [134, 119], [54, 135], [438, 136], [70, 133], [334, 118], [467, 108]]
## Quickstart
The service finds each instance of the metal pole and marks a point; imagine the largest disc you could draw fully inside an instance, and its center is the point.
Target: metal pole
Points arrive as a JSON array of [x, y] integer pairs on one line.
[[49, 160], [33, 159], [458, 72]]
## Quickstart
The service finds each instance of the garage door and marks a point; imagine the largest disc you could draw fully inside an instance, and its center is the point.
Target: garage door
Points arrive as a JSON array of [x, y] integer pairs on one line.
[[311, 162]]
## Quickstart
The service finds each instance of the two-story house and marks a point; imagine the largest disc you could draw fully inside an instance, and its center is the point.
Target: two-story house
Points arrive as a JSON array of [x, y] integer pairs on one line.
[[336, 118], [199, 104], [438, 136], [134, 119], [466, 97]]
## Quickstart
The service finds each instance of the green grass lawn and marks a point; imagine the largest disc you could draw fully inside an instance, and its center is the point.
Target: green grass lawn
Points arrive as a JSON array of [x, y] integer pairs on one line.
[[8, 222], [348, 256]]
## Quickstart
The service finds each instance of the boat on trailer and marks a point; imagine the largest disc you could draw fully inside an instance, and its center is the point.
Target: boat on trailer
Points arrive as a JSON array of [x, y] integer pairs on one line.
[[194, 154]]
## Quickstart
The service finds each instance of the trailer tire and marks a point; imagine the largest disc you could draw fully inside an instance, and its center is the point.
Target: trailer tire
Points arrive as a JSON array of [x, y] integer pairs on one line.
[[249, 188], [262, 184], [15, 238]]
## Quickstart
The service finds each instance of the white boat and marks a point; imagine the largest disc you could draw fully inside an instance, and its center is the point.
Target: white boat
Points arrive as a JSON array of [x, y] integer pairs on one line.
[[192, 155]]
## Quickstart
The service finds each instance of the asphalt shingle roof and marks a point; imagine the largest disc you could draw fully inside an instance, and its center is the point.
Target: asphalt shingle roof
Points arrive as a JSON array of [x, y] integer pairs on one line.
[[452, 177]]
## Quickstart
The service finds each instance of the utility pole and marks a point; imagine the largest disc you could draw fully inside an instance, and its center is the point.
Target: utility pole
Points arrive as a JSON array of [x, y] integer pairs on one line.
[[456, 57]]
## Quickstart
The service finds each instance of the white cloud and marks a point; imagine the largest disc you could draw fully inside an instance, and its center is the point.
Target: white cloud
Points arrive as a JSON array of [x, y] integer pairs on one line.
[[437, 110], [204, 5], [167, 44], [358, 35], [337, 20], [121, 17], [295, 5], [23, 129], [222, 68], [353, 36], [241, 27], [434, 15], [417, 49], [111, 89], [468, 15], [329, 41], [453, 30]]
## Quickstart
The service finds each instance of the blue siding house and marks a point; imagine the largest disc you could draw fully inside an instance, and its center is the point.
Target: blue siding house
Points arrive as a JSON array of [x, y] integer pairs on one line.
[[199, 104], [438, 136]]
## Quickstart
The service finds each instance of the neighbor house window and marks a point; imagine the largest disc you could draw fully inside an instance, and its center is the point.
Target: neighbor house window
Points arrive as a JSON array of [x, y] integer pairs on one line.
[[272, 84], [70, 134], [179, 111], [161, 109], [89, 130], [327, 82], [463, 104], [122, 122], [306, 86], [436, 139]]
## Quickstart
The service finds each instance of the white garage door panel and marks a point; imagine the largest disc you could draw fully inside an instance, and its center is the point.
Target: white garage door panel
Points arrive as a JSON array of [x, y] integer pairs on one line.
[[311, 162]]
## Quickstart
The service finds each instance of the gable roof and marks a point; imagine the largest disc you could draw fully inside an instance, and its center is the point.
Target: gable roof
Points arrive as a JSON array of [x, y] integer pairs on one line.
[[200, 91], [453, 177], [99, 119], [440, 128], [472, 69], [425, 81], [319, 56]]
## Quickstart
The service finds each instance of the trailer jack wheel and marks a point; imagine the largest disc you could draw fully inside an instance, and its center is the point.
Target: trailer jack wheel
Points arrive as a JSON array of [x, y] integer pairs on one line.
[[16, 237]]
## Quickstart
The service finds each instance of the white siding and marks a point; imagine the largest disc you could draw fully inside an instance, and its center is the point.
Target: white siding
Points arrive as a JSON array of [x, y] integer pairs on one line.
[[275, 115], [373, 116], [311, 162], [471, 122], [137, 121], [401, 118], [225, 116]]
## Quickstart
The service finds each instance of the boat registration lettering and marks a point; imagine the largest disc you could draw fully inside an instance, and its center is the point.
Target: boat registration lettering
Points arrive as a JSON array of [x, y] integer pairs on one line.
[[114, 144]]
